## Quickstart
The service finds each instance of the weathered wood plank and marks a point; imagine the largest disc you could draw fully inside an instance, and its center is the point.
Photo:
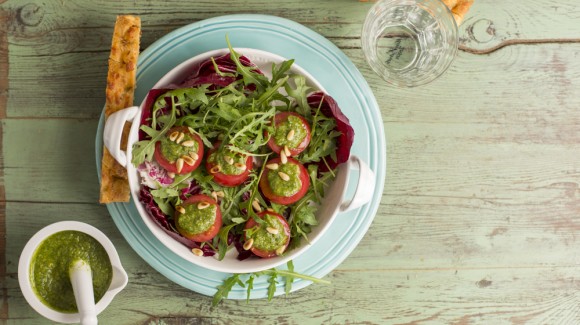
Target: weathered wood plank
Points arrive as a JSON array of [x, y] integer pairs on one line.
[[50, 160], [479, 219], [69, 55]]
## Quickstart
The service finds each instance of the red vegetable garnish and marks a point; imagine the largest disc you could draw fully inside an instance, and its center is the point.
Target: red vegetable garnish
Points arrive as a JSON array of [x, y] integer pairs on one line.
[[330, 108]]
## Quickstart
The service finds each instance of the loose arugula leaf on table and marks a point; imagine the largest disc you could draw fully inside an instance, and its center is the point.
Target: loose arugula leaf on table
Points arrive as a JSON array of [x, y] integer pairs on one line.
[[224, 289], [273, 274], [289, 278], [250, 286], [273, 281]]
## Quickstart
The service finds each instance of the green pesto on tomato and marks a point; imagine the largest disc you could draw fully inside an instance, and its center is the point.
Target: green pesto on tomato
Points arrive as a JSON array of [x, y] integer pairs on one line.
[[283, 128], [219, 158], [196, 221], [172, 150], [284, 188], [266, 241], [49, 268]]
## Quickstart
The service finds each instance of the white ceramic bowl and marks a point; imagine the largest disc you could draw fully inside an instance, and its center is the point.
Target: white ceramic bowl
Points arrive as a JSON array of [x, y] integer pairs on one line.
[[334, 201], [118, 282]]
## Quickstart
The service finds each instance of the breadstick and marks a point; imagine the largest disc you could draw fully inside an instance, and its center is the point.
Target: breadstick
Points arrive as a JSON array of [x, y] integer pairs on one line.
[[119, 95]]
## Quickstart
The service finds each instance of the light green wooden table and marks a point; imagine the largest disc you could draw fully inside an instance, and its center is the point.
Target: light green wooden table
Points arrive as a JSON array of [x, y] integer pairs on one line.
[[480, 218]]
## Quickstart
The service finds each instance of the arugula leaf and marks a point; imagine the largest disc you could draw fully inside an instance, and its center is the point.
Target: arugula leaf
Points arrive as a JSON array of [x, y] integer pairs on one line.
[[279, 70], [250, 77], [266, 96], [299, 93], [223, 240], [273, 281], [224, 289], [250, 284], [164, 192], [289, 278], [144, 150]]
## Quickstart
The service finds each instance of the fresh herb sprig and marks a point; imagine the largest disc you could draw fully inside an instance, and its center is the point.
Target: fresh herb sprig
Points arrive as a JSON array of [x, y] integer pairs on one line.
[[273, 275]]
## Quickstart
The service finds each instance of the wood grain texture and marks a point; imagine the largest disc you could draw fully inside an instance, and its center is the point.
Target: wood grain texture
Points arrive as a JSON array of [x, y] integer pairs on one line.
[[480, 217]]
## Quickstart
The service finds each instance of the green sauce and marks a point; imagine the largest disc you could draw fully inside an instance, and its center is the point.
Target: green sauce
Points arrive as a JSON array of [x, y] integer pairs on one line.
[[49, 268], [195, 221], [171, 150], [266, 241], [218, 158], [282, 129], [284, 188]]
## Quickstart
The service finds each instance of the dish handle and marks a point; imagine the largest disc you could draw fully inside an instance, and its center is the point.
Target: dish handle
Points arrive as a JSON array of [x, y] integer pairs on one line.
[[365, 185], [113, 132]]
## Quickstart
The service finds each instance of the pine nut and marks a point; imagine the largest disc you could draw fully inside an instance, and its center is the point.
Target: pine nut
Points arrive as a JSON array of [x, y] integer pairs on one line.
[[287, 151], [194, 155], [270, 209], [180, 209], [273, 231], [272, 166], [229, 160], [220, 193], [197, 252], [214, 195], [203, 205], [188, 160], [290, 135], [170, 174], [283, 157], [180, 137], [248, 244], [173, 135], [240, 166], [284, 176], [188, 143], [280, 250], [179, 164], [256, 206], [215, 169]]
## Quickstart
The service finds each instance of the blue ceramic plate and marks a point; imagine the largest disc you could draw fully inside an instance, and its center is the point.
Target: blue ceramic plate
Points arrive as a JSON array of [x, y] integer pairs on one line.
[[338, 75]]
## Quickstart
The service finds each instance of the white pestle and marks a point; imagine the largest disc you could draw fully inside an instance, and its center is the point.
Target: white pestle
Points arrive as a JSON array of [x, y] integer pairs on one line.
[[81, 279]]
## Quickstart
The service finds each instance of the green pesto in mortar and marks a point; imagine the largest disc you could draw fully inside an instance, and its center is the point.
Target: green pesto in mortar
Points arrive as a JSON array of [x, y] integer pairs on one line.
[[49, 268]]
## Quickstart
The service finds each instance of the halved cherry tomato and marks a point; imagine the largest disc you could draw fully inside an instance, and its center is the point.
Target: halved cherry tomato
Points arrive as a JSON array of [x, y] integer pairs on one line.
[[294, 150], [204, 235], [219, 174], [266, 187], [264, 253], [172, 166]]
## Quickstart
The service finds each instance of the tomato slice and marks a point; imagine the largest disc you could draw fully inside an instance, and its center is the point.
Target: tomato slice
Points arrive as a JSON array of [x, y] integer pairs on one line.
[[294, 150], [191, 160], [270, 192], [206, 234], [267, 253], [220, 174]]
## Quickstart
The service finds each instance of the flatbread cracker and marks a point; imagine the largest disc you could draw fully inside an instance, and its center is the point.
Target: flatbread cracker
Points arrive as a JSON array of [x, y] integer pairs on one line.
[[459, 8], [119, 95]]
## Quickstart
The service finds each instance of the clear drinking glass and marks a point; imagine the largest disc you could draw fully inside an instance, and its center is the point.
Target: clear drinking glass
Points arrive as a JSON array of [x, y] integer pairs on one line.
[[409, 42]]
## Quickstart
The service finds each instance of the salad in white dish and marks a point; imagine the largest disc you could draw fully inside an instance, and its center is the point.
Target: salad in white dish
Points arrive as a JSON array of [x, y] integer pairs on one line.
[[229, 157]]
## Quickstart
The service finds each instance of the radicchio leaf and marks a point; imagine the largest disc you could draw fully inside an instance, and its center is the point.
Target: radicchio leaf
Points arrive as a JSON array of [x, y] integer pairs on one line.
[[330, 108], [206, 73]]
